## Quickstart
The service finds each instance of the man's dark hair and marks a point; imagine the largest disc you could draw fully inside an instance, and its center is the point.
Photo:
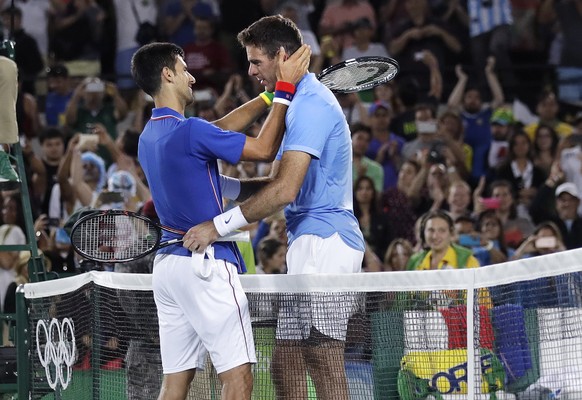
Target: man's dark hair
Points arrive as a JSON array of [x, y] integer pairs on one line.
[[270, 33], [51, 133], [147, 64]]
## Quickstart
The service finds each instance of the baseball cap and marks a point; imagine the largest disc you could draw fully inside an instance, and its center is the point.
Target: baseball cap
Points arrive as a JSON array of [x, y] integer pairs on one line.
[[502, 116], [569, 188], [379, 104], [57, 70]]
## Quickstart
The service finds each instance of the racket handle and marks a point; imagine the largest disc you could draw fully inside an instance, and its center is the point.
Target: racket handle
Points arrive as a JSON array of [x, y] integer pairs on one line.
[[241, 236]]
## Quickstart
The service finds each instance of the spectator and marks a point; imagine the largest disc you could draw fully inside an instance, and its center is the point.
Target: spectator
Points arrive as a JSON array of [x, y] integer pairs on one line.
[[180, 19], [570, 162], [363, 33], [459, 199], [417, 33], [75, 33], [58, 96], [385, 147], [271, 255], [476, 115], [373, 221], [362, 165], [337, 19], [547, 110], [545, 147], [436, 233], [490, 227], [515, 227], [90, 104], [520, 170], [398, 202], [426, 129], [545, 239], [27, 55], [561, 207], [397, 255], [501, 128], [52, 145], [207, 58], [27, 114], [490, 31]]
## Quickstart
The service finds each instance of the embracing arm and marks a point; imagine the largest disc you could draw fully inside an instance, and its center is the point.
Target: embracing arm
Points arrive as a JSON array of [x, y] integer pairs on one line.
[[283, 188], [281, 191]]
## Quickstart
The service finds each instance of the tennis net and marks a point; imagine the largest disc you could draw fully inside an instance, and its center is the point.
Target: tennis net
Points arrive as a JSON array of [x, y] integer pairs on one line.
[[94, 336]]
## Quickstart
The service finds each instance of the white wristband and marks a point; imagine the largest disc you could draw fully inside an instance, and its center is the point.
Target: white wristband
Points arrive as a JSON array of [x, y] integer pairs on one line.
[[282, 101], [230, 187], [229, 221]]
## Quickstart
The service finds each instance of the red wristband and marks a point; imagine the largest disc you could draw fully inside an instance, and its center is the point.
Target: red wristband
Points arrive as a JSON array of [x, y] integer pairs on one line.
[[285, 87]]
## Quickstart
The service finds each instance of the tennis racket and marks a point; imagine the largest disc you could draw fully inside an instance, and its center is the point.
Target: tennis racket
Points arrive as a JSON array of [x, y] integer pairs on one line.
[[359, 74], [115, 236]]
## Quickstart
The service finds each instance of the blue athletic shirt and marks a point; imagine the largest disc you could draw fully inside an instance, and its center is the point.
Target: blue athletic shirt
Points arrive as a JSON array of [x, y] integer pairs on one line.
[[179, 157], [317, 126]]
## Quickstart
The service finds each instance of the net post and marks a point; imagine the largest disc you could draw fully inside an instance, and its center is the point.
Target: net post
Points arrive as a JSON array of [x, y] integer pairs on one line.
[[22, 344], [471, 336]]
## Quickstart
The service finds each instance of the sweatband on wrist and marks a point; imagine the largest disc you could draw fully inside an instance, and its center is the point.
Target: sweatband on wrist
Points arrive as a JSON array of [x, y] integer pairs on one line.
[[230, 187], [285, 87], [229, 221], [267, 97], [282, 100]]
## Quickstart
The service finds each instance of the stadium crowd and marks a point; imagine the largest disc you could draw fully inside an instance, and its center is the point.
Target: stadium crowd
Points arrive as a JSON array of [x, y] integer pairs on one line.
[[450, 168]]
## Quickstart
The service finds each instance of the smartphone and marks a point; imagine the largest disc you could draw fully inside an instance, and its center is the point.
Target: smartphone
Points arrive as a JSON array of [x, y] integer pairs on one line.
[[491, 202], [547, 242], [469, 240], [55, 222], [88, 141]]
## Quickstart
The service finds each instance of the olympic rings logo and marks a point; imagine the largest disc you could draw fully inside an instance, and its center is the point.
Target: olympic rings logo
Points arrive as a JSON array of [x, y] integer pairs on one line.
[[59, 348]]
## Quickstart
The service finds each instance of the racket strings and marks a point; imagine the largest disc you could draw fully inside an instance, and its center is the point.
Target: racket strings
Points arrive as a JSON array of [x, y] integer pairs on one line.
[[115, 237], [359, 76]]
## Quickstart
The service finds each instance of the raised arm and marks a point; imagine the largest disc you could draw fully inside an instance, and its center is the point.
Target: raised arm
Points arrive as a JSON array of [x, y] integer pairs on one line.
[[494, 85], [456, 96]]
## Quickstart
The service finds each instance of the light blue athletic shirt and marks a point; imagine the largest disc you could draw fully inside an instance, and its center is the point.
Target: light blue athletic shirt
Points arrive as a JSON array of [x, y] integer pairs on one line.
[[317, 126], [178, 156]]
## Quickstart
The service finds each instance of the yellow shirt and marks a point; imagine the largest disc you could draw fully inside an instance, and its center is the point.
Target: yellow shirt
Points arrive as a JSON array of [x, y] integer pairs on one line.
[[448, 261]]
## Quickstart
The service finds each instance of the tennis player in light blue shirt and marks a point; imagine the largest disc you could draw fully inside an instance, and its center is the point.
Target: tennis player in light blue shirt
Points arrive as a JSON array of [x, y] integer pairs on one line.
[[324, 205]]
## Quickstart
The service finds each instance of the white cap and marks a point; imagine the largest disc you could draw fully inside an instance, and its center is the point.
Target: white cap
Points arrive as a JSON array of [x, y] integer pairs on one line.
[[569, 188]]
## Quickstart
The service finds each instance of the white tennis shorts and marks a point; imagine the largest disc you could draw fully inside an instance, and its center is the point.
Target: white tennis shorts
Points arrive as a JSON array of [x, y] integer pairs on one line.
[[328, 313], [199, 316]]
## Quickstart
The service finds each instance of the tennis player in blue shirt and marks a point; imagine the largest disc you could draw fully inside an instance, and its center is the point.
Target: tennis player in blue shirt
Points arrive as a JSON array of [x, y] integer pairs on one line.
[[312, 179], [200, 314]]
